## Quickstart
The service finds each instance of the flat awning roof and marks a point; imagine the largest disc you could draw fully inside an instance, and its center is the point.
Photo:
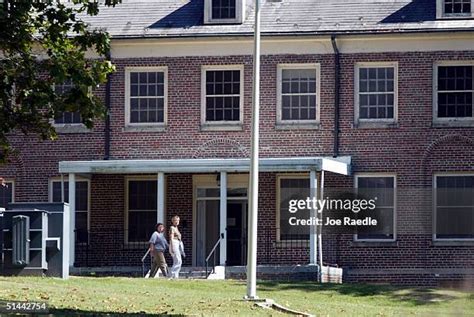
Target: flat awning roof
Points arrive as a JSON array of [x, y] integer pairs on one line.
[[339, 165]]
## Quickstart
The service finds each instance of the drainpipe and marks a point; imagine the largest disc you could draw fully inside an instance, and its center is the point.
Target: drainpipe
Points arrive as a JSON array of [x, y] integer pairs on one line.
[[107, 115], [337, 80]]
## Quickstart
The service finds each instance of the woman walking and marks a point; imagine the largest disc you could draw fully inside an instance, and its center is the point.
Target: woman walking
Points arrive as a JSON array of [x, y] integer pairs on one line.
[[175, 247], [158, 246]]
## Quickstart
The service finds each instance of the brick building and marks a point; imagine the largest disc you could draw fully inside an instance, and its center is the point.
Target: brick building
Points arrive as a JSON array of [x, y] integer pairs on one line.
[[353, 94]]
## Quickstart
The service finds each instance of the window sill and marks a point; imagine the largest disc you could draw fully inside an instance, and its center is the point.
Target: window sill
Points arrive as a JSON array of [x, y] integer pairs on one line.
[[298, 126], [150, 128], [374, 244], [453, 124], [452, 243], [222, 127], [376, 125], [223, 21], [456, 16], [71, 128]]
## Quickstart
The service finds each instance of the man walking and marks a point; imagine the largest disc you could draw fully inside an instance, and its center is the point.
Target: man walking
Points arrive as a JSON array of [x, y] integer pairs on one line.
[[158, 246]]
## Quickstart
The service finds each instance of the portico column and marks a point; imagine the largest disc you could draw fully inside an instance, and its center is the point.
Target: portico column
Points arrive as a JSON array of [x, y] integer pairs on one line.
[[313, 234], [72, 218], [160, 204], [223, 218], [320, 236]]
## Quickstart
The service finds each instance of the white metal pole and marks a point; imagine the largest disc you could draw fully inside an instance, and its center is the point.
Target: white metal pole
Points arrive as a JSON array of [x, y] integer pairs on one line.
[[253, 196]]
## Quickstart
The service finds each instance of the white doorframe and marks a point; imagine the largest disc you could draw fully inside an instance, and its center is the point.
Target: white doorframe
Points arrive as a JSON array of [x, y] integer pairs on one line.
[[212, 181]]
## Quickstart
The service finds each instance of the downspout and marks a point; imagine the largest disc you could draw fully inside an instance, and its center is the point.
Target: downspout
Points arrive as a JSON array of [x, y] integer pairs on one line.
[[337, 80], [107, 114]]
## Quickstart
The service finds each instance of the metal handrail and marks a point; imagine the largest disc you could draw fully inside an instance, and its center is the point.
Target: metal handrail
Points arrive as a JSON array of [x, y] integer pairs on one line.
[[143, 262], [210, 254]]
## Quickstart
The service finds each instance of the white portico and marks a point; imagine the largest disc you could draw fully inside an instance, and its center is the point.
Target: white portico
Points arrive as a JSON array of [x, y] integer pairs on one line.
[[225, 173]]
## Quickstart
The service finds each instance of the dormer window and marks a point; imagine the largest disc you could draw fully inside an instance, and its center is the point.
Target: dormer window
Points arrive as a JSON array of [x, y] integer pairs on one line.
[[224, 11], [454, 8]]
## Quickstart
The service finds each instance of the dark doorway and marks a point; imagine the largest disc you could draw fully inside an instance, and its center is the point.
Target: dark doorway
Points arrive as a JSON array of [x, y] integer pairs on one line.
[[236, 232]]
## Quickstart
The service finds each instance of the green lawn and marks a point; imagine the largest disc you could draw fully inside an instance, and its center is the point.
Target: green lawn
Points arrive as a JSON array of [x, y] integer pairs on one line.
[[223, 298]]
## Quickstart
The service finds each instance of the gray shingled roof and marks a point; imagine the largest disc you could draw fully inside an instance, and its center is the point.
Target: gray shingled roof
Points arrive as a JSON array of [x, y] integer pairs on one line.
[[177, 18]]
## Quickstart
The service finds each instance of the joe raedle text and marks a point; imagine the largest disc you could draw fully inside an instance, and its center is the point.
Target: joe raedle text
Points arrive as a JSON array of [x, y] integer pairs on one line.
[[355, 206]]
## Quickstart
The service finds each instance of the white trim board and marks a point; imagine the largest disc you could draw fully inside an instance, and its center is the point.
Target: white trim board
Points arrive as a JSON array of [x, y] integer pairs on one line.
[[340, 165], [449, 41]]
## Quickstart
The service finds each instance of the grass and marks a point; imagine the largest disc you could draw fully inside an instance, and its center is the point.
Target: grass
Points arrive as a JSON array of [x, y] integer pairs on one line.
[[122, 296]]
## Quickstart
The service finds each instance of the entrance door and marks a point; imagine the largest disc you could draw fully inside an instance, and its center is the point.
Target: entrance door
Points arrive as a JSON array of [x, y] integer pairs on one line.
[[207, 230], [236, 232]]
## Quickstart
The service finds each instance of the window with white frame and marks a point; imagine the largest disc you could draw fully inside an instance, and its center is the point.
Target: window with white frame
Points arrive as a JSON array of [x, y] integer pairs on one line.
[[82, 204], [292, 188], [383, 188], [298, 93], [66, 117], [223, 11], [454, 8], [146, 96], [454, 207], [141, 209], [222, 94], [376, 92], [6, 193], [454, 91]]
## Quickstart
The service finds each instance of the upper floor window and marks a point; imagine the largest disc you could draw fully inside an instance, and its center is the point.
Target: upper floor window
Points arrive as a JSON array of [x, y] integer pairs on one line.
[[223, 11], [66, 117], [454, 8], [376, 92], [383, 187], [6, 193], [298, 93], [453, 97], [146, 96], [222, 94], [454, 207]]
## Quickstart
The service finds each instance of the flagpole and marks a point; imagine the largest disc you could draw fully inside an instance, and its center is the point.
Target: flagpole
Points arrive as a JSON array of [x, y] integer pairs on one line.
[[253, 196]]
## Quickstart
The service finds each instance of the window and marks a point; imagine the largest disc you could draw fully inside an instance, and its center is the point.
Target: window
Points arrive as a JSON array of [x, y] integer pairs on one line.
[[298, 93], [292, 188], [453, 91], [141, 209], [82, 205], [66, 117], [6, 193], [223, 11], [222, 95], [454, 207], [376, 92], [146, 96], [454, 8], [382, 187]]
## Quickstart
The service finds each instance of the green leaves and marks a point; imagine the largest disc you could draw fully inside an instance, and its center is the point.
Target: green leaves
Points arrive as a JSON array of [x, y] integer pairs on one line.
[[43, 44]]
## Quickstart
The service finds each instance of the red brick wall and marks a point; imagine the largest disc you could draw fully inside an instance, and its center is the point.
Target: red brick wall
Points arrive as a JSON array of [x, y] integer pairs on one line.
[[414, 150]]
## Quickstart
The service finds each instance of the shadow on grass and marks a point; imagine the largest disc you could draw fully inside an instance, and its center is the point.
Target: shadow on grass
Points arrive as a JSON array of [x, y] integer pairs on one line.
[[79, 312], [413, 295]]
